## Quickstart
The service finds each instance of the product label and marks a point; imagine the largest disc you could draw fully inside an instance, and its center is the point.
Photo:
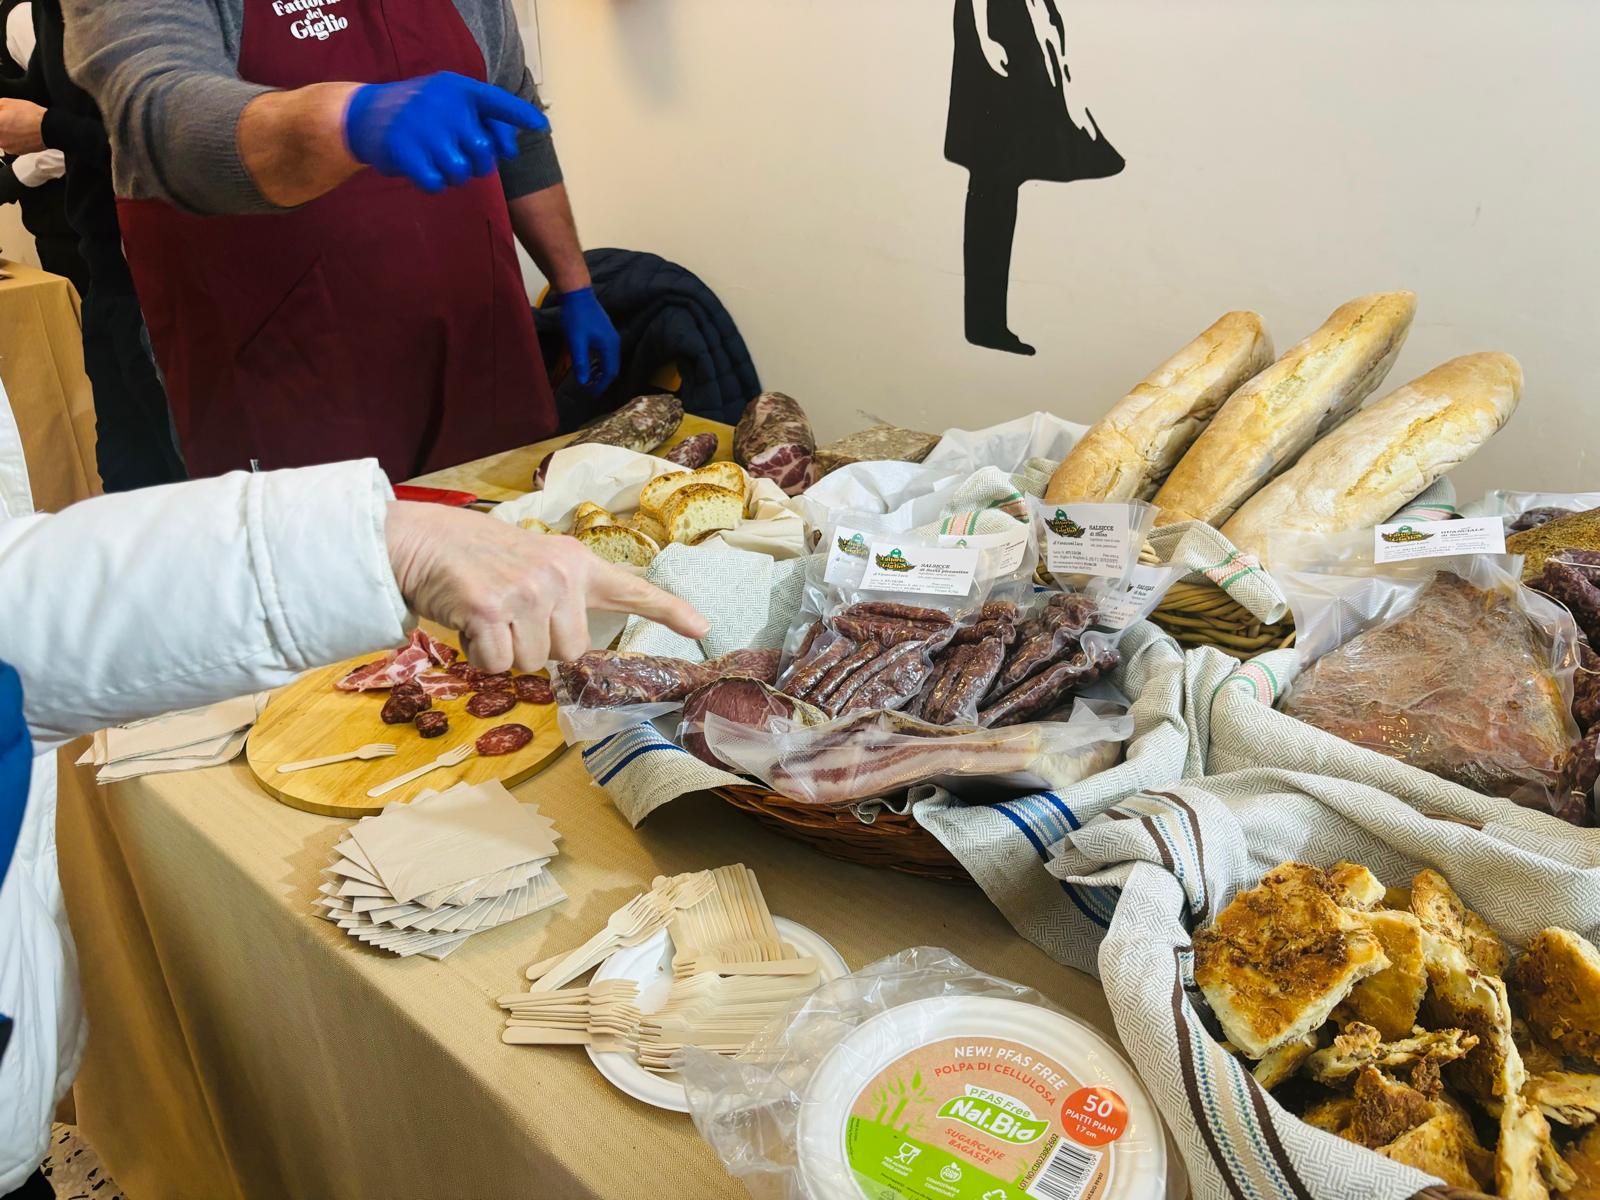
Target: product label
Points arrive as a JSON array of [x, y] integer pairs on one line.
[[922, 569], [847, 556], [1437, 539], [1086, 539], [1146, 585], [1006, 550], [982, 1119]]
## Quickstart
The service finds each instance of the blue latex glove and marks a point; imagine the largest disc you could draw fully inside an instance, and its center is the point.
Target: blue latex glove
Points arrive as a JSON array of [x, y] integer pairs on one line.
[[436, 130], [592, 340]]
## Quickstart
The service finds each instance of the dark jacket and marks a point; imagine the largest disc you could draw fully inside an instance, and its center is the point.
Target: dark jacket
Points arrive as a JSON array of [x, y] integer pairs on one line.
[[664, 314]]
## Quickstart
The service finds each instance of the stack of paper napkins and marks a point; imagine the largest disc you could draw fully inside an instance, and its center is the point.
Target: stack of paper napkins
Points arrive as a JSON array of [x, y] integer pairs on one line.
[[423, 877], [180, 741]]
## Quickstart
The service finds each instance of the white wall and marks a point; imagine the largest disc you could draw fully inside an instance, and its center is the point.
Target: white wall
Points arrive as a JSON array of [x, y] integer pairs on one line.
[[1282, 156]]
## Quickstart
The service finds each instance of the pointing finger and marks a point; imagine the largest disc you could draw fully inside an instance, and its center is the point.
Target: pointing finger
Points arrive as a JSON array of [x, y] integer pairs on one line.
[[614, 590]]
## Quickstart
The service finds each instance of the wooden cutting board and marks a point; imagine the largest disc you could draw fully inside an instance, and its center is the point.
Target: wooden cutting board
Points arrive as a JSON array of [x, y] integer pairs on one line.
[[310, 718]]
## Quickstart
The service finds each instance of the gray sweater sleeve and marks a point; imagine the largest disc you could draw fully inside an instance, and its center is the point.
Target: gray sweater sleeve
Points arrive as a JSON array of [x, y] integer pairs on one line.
[[165, 74]]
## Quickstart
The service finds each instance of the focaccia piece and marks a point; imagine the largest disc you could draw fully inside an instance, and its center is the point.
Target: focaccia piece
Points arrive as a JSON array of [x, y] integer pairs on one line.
[[1537, 1058], [1280, 1065], [1461, 995], [1361, 1046], [1557, 984], [1440, 910], [1280, 957], [1566, 1096], [1385, 1109], [1526, 1165], [1446, 1145], [1389, 1000]]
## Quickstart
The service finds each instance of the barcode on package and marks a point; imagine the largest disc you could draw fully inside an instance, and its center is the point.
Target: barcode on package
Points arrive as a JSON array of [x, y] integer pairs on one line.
[[1069, 1173]]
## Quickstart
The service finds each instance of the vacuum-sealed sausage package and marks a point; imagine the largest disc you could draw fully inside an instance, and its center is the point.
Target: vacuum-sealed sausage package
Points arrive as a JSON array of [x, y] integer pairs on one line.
[[863, 755], [1081, 543], [606, 691], [1448, 664]]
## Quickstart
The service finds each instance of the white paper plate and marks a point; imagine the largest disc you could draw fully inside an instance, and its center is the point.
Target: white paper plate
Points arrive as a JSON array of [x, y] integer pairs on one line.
[[649, 964], [1143, 1162]]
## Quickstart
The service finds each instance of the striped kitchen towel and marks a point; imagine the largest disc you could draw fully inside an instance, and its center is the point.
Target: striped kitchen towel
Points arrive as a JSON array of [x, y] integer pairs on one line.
[[1166, 860]]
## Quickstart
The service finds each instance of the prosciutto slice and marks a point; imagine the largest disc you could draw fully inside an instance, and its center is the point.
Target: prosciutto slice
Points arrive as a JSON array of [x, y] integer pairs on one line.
[[399, 665]]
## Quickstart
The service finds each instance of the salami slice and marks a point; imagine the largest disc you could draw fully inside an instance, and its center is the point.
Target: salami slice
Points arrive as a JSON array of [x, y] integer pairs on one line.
[[504, 739], [400, 709], [432, 724], [500, 682], [533, 689], [491, 704]]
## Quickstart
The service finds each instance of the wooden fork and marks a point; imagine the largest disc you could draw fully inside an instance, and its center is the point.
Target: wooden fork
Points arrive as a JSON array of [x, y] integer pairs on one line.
[[370, 750]]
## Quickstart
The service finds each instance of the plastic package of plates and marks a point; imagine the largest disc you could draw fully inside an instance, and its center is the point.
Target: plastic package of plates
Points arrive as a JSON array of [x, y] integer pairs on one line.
[[920, 1078]]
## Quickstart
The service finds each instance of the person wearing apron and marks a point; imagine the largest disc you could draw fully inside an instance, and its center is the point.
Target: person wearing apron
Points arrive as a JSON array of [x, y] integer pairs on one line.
[[303, 308]]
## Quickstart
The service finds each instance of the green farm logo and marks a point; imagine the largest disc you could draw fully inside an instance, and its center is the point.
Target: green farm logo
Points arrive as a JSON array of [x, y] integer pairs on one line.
[[1406, 534], [1064, 526], [894, 561], [996, 1114], [855, 547]]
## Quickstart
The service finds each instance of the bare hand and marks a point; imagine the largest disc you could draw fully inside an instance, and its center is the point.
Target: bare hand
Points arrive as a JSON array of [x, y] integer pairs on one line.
[[20, 125], [517, 598]]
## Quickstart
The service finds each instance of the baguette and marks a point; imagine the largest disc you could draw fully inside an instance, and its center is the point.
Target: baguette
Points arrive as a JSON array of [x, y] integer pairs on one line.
[[1387, 454], [1129, 451], [1265, 425]]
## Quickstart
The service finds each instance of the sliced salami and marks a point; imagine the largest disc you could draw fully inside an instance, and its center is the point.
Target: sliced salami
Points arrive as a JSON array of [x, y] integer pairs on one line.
[[504, 739], [500, 682], [432, 724], [533, 689], [491, 704], [401, 709]]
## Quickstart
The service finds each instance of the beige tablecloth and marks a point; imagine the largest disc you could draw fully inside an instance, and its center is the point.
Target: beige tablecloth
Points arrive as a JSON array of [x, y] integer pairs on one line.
[[41, 365]]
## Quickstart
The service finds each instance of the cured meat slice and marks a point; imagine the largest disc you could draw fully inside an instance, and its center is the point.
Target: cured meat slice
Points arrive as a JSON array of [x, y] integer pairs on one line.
[[432, 724], [444, 687], [491, 704], [503, 739], [441, 654], [533, 689], [399, 665], [401, 708], [500, 682]]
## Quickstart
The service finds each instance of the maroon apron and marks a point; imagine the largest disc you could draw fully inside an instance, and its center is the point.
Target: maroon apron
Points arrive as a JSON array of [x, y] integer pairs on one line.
[[376, 320]]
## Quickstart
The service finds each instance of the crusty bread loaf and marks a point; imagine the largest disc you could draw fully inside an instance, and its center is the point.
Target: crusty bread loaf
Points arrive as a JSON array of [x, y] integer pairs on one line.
[[1265, 425], [1129, 451], [1387, 454]]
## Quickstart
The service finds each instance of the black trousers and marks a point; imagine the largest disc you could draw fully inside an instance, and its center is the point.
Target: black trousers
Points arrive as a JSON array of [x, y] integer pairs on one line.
[[135, 442], [34, 1187]]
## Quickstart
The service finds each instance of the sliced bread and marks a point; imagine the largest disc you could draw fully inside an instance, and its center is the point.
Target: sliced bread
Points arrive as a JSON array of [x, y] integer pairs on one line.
[[726, 475], [700, 508], [588, 515], [618, 545]]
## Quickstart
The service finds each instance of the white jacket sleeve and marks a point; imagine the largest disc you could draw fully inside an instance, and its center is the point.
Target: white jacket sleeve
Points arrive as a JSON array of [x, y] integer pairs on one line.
[[139, 603]]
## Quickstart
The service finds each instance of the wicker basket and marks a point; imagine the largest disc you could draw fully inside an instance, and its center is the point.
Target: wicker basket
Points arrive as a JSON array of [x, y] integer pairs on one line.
[[894, 840], [1202, 614]]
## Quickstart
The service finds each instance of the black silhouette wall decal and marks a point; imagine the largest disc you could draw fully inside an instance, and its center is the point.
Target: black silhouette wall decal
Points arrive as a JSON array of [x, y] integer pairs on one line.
[[1012, 118]]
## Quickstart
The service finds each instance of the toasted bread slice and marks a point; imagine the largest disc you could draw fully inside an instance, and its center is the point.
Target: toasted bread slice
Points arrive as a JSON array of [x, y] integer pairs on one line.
[[1557, 983], [698, 509], [588, 515], [1437, 906], [534, 525], [1280, 1065], [1390, 999], [649, 526], [1361, 1046], [618, 545], [1566, 1096], [730, 477], [1280, 957], [1461, 995]]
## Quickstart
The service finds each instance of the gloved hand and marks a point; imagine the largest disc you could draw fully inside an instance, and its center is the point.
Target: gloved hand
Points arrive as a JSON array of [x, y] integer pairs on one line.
[[517, 599], [436, 130], [590, 336], [39, 167]]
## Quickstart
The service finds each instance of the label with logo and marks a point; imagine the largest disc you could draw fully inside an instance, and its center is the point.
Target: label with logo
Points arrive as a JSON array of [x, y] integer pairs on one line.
[[1145, 585], [311, 19], [847, 555], [1086, 539], [1406, 540], [1006, 550], [928, 570], [982, 1119]]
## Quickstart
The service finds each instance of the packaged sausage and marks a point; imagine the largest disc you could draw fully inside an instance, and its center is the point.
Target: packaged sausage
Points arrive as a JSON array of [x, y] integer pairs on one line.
[[1447, 663], [863, 755], [606, 691]]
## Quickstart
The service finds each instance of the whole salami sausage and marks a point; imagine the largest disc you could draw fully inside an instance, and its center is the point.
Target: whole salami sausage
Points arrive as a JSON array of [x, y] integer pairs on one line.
[[533, 689], [491, 704], [432, 724], [694, 451], [503, 739], [773, 440], [641, 424], [745, 702]]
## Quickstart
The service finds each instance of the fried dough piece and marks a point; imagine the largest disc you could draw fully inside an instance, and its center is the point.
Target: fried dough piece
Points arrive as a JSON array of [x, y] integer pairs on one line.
[[1389, 1000], [1519, 1173], [1399, 898], [1280, 957], [1361, 1046], [1537, 1058], [1583, 1158], [1440, 910], [1279, 1066], [1566, 1096], [1480, 1162], [1439, 1147], [1332, 1115], [1355, 886], [1463, 997], [1558, 990], [1385, 1109]]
